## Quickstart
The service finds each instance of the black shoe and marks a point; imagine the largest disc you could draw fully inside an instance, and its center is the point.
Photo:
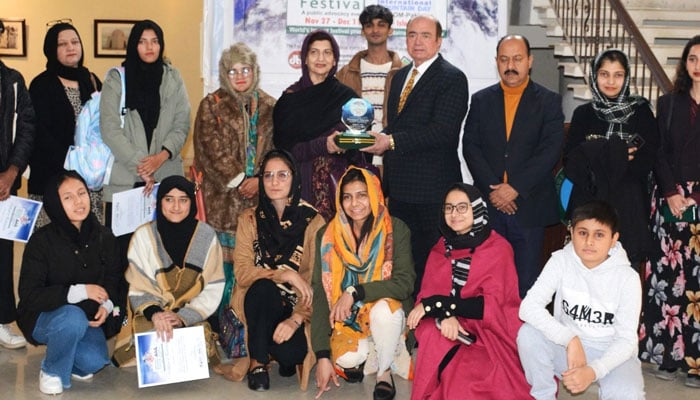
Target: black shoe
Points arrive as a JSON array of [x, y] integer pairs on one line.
[[287, 370], [354, 375], [384, 390], [259, 379]]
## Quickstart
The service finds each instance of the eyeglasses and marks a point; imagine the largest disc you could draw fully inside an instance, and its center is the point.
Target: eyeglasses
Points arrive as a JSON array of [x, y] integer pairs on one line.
[[282, 176], [245, 71], [461, 208], [59, 21]]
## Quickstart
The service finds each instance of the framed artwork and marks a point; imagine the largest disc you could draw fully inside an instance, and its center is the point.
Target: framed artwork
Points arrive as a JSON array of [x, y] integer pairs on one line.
[[13, 39], [111, 36]]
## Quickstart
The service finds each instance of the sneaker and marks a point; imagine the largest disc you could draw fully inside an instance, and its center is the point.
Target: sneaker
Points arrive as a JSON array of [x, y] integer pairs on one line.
[[10, 340], [692, 381], [666, 374], [49, 384], [82, 378]]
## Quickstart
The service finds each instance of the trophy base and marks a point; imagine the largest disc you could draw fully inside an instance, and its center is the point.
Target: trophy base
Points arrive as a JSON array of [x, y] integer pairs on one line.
[[354, 141]]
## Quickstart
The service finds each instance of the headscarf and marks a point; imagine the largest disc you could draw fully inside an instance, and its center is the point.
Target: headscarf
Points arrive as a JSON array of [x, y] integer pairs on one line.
[[54, 209], [345, 263], [618, 110], [478, 233], [280, 237], [305, 81], [281, 240], [142, 79], [247, 101], [176, 236], [79, 74]]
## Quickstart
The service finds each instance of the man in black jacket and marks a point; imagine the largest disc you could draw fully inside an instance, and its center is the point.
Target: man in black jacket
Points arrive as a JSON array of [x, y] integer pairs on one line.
[[427, 102], [16, 140]]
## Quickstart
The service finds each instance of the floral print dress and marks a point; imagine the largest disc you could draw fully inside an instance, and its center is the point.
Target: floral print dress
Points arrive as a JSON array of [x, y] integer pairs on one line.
[[669, 334]]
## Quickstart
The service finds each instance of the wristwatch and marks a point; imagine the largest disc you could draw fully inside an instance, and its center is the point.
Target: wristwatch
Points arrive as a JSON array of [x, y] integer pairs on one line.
[[352, 291]]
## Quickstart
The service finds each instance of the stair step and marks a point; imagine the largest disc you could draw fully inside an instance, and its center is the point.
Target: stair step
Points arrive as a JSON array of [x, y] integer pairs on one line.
[[572, 69], [581, 91]]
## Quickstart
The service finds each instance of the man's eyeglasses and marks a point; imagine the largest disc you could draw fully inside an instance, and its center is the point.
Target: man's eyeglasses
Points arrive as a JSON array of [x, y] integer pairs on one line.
[[282, 176], [245, 71], [461, 208]]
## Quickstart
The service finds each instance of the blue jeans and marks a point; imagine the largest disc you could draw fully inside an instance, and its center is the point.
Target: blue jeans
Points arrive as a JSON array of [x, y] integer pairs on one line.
[[71, 345], [542, 360]]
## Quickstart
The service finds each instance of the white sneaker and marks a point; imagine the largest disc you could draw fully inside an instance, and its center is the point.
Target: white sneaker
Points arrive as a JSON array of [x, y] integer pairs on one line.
[[49, 384], [82, 378], [10, 340]]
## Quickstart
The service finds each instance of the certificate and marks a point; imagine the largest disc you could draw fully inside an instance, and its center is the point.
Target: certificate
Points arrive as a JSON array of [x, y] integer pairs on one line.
[[18, 217], [131, 209], [183, 358]]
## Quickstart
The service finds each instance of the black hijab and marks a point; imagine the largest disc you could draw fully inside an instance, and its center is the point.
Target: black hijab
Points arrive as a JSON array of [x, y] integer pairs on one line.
[[55, 211], [306, 111], [480, 230], [79, 74], [176, 237], [280, 238], [143, 79]]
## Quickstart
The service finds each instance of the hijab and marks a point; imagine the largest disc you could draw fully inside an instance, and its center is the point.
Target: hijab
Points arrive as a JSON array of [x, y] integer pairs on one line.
[[618, 110], [280, 238], [54, 209], [344, 262], [79, 74], [305, 81], [479, 232], [143, 79], [176, 237]]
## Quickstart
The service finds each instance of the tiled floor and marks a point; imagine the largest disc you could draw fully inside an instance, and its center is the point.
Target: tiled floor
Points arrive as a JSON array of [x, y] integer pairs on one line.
[[19, 380]]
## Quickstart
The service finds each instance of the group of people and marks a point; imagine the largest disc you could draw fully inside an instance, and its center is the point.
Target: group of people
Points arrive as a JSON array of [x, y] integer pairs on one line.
[[332, 257]]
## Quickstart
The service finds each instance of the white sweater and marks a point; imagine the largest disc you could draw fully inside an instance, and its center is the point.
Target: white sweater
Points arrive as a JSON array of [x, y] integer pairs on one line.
[[601, 305]]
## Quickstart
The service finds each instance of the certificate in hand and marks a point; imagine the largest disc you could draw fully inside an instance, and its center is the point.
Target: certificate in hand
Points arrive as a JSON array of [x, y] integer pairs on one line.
[[183, 358], [131, 209], [18, 217]]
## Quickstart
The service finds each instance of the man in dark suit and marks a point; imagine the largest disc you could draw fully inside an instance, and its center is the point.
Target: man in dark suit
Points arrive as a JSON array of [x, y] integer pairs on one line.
[[512, 140], [424, 115]]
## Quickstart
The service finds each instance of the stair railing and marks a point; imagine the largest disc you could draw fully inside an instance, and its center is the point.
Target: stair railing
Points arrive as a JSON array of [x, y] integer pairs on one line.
[[591, 26]]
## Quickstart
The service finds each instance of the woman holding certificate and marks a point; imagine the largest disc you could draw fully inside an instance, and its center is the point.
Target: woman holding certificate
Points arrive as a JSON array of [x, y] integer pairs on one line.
[[307, 118], [175, 271], [273, 258], [362, 281], [69, 286]]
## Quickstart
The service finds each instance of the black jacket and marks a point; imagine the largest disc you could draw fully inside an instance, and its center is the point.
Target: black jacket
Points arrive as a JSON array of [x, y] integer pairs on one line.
[[52, 262], [16, 153], [55, 128]]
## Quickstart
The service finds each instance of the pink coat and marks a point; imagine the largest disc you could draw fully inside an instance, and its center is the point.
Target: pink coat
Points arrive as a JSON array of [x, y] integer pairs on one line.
[[489, 368]]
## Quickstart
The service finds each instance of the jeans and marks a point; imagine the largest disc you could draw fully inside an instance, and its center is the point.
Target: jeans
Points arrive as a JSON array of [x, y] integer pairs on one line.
[[543, 360], [71, 345]]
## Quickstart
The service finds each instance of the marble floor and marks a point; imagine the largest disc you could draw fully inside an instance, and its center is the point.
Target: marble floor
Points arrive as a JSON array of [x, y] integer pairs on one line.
[[19, 380]]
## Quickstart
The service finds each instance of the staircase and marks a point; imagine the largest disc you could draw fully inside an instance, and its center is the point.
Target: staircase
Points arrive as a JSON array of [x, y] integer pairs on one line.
[[663, 25]]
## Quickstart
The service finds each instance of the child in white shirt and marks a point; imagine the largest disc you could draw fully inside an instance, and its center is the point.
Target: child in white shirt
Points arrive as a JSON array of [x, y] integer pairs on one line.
[[592, 335]]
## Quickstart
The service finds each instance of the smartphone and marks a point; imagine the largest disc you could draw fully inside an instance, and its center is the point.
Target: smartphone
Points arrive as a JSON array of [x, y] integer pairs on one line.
[[635, 140], [466, 339]]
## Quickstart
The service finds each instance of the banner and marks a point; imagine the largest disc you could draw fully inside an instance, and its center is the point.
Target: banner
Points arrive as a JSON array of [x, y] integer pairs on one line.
[[275, 29]]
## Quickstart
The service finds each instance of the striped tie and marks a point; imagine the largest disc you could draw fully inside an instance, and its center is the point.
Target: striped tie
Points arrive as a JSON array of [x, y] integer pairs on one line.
[[407, 89]]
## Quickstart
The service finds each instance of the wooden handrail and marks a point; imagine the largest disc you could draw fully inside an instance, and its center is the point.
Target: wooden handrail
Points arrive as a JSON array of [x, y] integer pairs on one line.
[[593, 25]]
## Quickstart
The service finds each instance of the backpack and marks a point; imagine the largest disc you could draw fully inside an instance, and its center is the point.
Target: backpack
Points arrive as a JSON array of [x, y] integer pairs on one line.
[[89, 155]]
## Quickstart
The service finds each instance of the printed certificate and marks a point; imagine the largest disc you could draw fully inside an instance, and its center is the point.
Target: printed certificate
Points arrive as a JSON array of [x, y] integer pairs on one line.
[[131, 209], [183, 358], [18, 217]]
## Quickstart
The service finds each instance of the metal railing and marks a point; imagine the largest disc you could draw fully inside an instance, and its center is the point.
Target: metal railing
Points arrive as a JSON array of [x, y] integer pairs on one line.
[[591, 26]]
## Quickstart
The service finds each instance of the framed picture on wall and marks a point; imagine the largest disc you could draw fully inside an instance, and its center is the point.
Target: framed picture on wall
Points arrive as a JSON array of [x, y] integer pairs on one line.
[[13, 39], [111, 36]]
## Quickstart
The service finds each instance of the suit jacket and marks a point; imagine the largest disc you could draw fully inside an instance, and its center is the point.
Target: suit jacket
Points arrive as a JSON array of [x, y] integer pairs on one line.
[[528, 156], [426, 133]]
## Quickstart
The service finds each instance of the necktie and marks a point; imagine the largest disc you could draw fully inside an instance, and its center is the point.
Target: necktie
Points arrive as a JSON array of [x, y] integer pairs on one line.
[[407, 89]]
